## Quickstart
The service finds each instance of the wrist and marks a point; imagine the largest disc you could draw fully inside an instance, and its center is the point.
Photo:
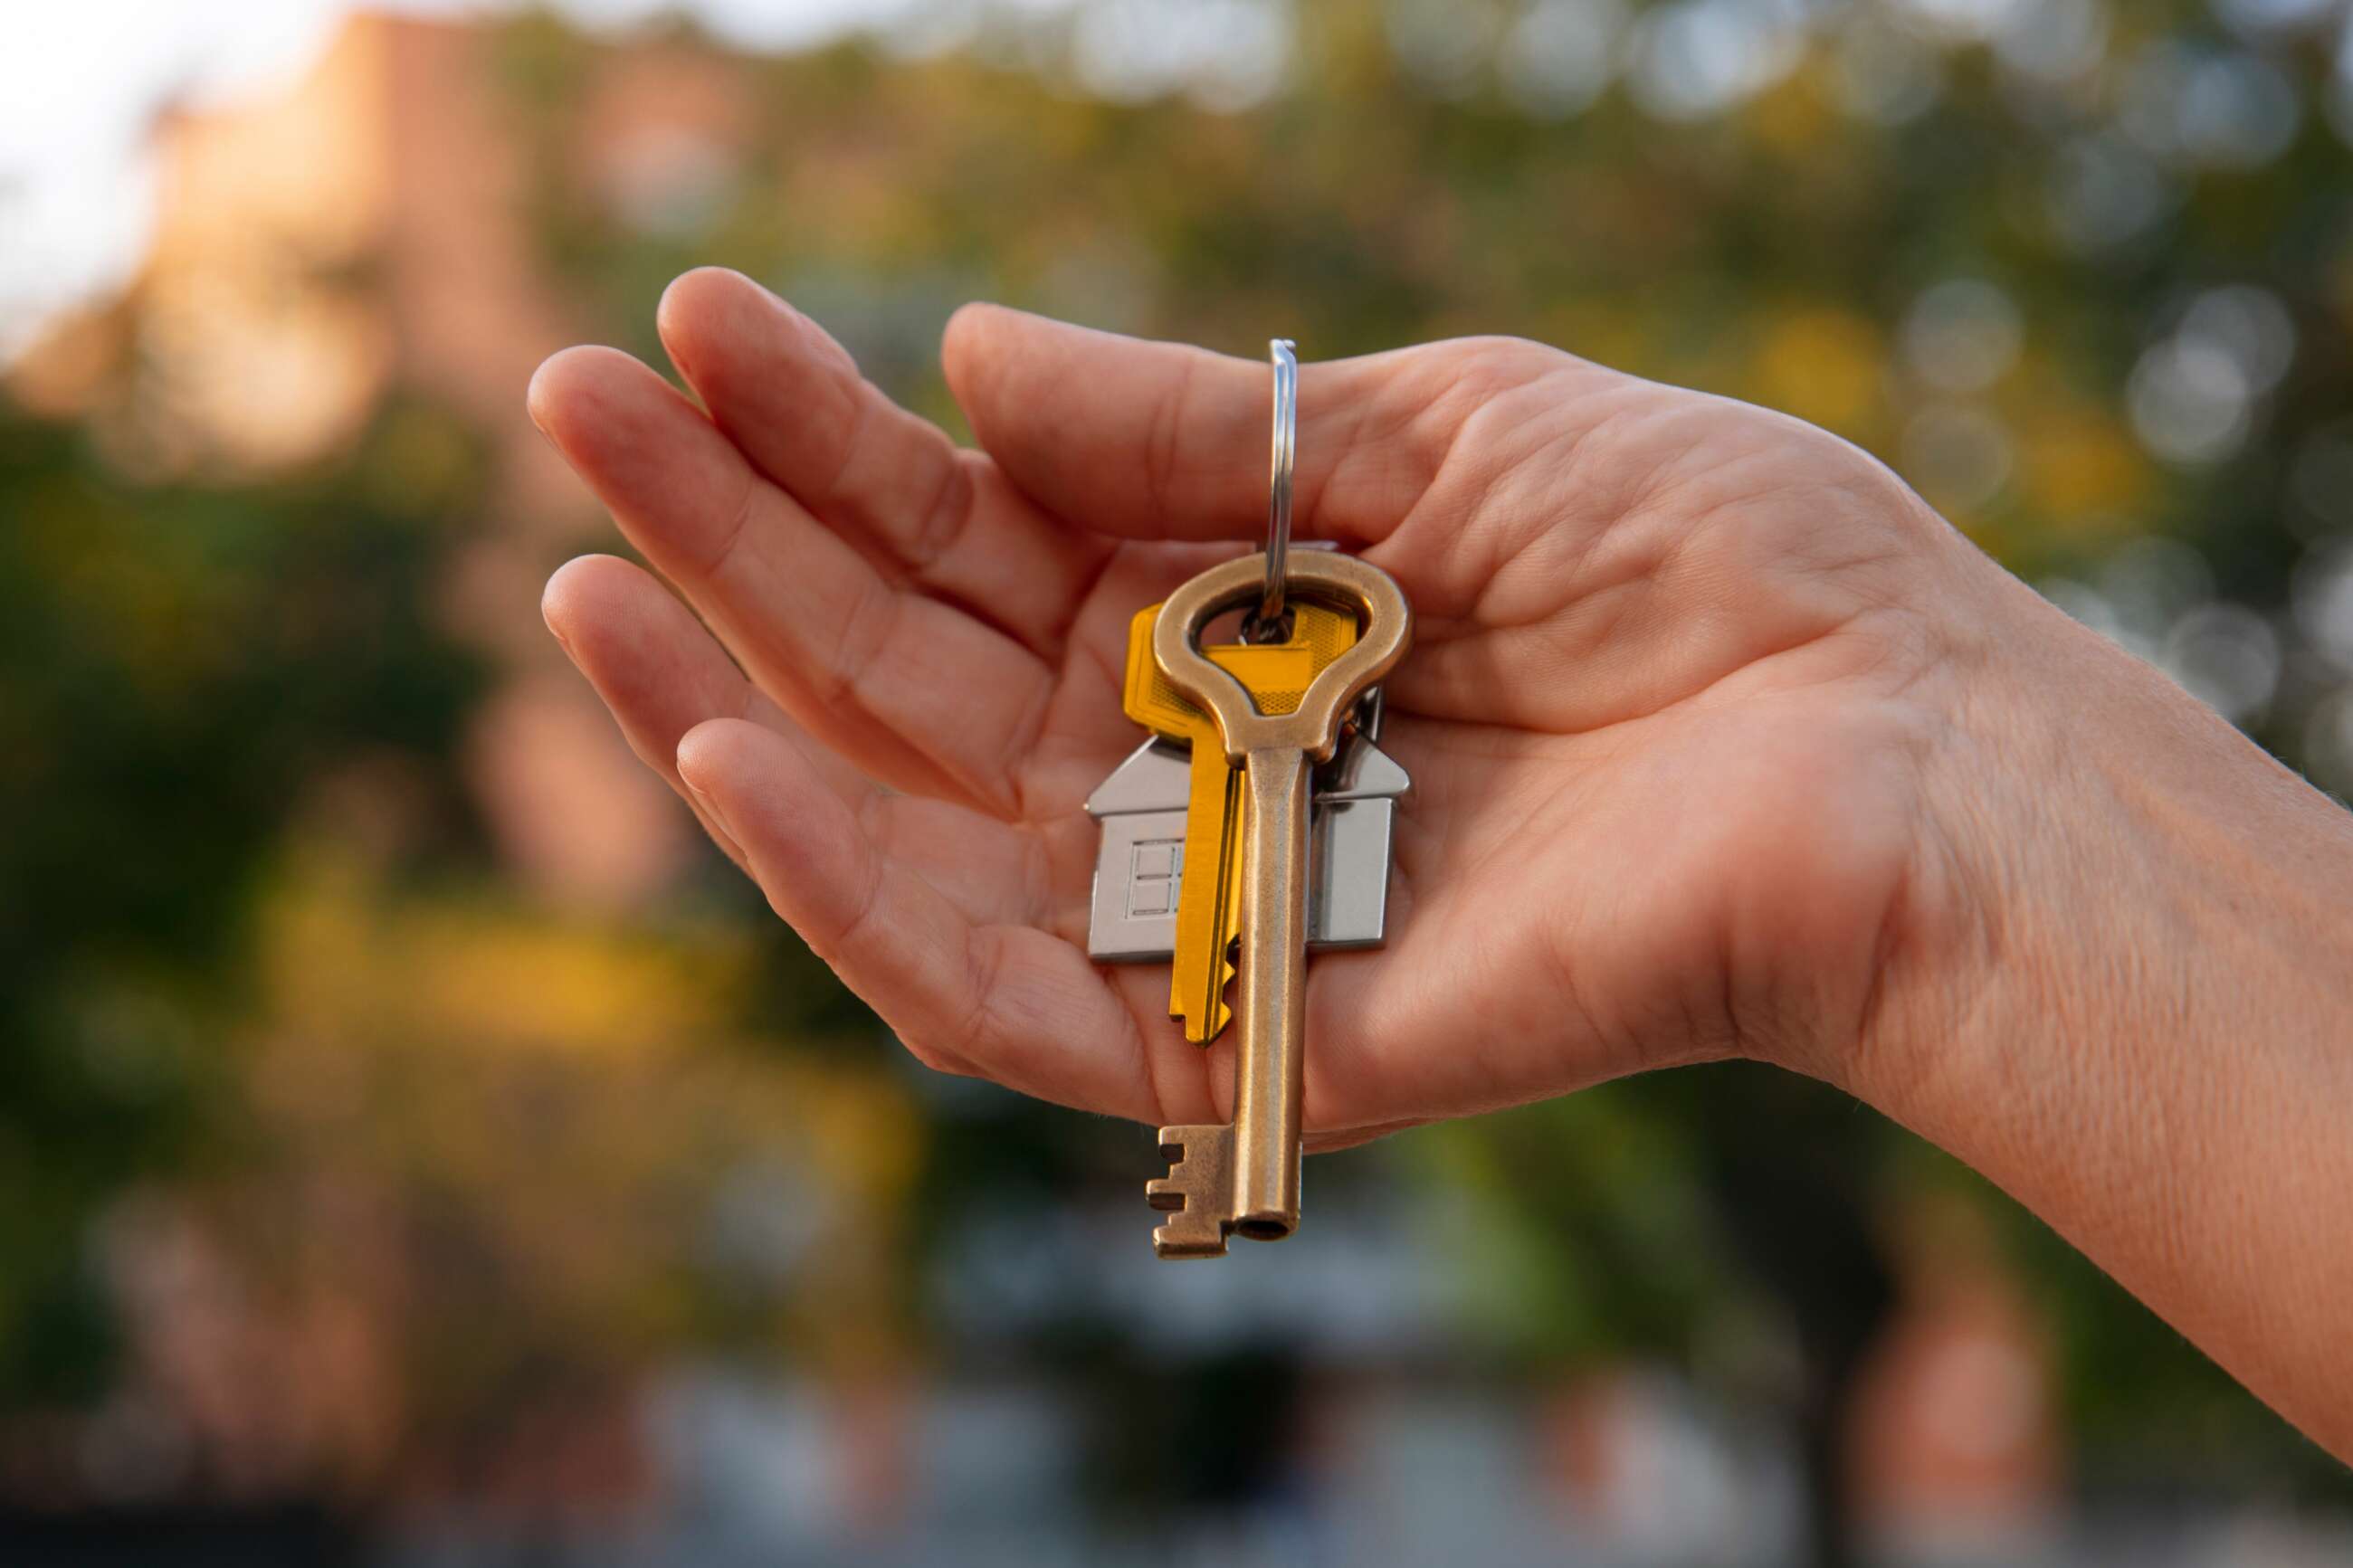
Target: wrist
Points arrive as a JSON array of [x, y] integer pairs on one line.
[[2105, 860], [2006, 785], [2133, 1015]]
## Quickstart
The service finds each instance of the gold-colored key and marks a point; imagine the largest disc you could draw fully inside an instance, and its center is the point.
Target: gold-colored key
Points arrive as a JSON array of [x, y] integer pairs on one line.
[[1243, 1176], [1277, 675]]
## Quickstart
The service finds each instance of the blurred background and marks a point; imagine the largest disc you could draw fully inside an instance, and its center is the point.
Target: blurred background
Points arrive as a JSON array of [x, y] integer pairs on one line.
[[418, 1148]]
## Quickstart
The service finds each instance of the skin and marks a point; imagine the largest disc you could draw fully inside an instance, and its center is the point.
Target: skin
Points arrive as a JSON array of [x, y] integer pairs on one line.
[[1724, 744]]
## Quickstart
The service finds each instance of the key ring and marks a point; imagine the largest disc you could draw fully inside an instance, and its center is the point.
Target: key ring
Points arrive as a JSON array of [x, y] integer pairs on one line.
[[1267, 620]]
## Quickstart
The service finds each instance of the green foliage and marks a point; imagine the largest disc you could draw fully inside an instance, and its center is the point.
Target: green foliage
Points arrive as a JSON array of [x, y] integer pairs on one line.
[[180, 665], [1771, 251]]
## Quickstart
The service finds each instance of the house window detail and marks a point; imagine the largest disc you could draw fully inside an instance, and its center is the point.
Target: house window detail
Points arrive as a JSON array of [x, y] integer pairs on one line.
[[1154, 867]]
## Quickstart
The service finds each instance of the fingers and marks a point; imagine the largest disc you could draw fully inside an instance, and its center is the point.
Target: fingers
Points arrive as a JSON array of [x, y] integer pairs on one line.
[[1162, 440], [890, 483], [658, 671], [661, 674], [911, 689], [1010, 1000]]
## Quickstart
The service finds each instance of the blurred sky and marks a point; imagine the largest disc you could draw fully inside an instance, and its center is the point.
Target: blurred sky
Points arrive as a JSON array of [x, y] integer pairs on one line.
[[80, 81]]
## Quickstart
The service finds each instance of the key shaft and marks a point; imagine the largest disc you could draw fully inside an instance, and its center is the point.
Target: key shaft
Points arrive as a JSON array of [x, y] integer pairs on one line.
[[1208, 894], [1270, 996]]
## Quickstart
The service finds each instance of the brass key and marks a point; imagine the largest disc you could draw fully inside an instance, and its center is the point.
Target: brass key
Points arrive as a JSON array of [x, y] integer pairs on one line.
[[1277, 675], [1244, 1175]]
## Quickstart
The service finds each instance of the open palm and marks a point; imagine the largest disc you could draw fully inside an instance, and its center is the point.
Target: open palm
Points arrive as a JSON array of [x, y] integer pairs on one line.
[[1667, 716]]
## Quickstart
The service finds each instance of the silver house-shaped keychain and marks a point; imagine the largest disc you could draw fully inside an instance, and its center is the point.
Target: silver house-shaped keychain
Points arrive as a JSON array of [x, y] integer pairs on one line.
[[1141, 859]]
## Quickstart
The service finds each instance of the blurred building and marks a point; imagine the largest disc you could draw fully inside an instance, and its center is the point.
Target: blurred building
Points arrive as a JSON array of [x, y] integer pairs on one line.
[[358, 235]]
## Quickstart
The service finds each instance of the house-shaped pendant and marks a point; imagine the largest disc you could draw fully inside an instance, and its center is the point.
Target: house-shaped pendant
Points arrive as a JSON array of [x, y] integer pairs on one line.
[[1141, 805]]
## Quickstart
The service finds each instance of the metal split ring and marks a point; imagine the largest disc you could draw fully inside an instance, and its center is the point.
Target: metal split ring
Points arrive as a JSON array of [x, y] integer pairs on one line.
[[1282, 353]]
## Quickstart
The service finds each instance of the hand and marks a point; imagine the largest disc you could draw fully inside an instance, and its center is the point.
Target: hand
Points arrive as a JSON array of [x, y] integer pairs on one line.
[[1681, 671], [1722, 743]]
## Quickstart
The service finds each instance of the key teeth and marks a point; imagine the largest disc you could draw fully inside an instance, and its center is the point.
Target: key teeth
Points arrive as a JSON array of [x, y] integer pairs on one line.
[[1200, 1168]]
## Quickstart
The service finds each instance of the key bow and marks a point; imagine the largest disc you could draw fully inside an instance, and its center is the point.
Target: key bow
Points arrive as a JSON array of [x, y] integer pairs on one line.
[[1315, 726]]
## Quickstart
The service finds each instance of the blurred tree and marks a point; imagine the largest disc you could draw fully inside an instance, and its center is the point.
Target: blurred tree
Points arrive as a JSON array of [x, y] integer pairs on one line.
[[184, 671], [2079, 271], [2010, 256]]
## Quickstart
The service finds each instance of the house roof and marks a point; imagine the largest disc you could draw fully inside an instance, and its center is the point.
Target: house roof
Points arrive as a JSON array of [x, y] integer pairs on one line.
[[1158, 776]]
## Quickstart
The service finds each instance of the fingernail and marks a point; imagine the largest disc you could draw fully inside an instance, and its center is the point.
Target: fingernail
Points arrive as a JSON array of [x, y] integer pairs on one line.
[[530, 402], [720, 828], [703, 801]]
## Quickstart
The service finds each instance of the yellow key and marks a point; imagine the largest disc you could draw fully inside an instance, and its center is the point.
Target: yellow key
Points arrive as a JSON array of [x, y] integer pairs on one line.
[[1277, 676]]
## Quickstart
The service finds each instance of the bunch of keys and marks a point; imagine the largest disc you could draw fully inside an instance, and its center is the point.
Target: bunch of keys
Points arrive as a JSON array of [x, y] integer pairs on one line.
[[1284, 809]]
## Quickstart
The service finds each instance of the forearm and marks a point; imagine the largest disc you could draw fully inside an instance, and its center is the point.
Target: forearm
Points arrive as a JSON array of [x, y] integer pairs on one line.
[[2145, 1031]]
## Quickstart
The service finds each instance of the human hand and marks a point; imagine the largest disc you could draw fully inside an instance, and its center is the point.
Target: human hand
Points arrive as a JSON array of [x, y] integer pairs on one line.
[[1723, 743], [1679, 670]]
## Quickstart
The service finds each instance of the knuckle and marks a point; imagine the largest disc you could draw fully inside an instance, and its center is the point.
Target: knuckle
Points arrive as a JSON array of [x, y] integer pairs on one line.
[[1495, 363]]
